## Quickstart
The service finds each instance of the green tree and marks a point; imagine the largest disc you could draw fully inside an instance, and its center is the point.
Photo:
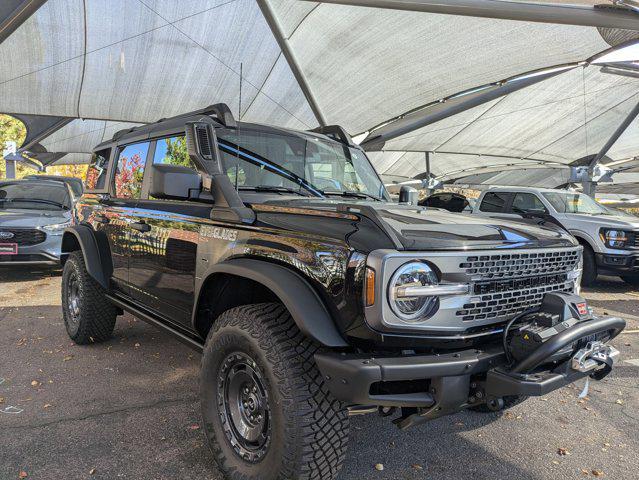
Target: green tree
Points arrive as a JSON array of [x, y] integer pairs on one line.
[[12, 129], [176, 153]]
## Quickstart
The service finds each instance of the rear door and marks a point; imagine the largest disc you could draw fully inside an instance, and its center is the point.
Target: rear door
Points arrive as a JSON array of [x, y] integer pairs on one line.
[[494, 204], [164, 241], [115, 213]]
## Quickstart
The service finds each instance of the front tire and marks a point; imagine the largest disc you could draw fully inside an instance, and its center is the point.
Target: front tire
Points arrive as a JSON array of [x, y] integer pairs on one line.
[[88, 315], [267, 412], [590, 273]]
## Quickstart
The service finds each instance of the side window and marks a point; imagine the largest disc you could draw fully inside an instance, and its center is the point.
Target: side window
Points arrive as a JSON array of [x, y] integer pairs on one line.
[[130, 170], [527, 202], [97, 172], [172, 151], [493, 202]]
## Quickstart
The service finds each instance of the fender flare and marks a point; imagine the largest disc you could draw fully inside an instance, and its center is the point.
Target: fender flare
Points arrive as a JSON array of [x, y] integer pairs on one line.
[[301, 300], [96, 259], [580, 235]]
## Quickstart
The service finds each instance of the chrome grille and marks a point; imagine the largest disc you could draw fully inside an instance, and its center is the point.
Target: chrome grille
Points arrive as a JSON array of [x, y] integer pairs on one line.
[[514, 265]]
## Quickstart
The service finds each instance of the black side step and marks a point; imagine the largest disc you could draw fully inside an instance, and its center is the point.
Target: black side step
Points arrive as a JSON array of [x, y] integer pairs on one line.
[[191, 340]]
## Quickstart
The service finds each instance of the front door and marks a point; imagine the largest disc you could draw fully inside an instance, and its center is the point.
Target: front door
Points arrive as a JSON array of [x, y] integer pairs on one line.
[[164, 240]]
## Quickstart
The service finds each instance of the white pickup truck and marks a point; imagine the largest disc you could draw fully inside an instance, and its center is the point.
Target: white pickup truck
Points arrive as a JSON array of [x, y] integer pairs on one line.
[[610, 237]]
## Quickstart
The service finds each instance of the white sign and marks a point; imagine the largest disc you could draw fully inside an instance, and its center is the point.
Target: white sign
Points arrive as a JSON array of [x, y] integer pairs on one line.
[[10, 148]]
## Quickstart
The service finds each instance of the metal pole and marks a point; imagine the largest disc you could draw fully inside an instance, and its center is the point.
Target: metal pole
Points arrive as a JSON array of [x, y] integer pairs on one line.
[[11, 169], [427, 159], [583, 15], [437, 111], [287, 51], [615, 136]]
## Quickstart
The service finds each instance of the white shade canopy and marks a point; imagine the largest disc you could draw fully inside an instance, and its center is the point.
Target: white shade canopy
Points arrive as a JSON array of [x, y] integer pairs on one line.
[[306, 63]]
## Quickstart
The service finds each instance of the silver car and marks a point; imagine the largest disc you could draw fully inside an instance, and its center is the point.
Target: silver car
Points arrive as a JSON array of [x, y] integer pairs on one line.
[[610, 237], [33, 216]]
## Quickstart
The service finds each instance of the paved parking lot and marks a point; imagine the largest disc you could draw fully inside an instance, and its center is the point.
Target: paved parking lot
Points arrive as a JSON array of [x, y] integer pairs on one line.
[[129, 409]]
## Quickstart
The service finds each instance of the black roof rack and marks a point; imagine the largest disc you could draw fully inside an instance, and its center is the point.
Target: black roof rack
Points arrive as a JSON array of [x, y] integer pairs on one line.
[[221, 111], [335, 132]]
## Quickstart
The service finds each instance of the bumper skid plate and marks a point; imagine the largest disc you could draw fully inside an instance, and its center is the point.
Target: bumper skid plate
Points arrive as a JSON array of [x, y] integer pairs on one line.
[[458, 380]]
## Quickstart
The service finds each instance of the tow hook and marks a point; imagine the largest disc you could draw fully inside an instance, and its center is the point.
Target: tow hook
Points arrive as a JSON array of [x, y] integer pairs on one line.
[[595, 356]]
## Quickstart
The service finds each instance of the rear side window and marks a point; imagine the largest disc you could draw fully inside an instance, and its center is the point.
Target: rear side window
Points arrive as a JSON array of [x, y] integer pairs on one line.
[[97, 172], [172, 151], [527, 202], [129, 171], [494, 202]]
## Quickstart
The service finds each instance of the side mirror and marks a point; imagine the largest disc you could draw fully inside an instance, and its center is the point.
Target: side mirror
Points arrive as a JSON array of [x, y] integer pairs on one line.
[[174, 182]]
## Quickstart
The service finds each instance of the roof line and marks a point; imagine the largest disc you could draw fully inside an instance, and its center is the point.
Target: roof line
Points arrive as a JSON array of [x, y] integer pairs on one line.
[[607, 16], [20, 14], [278, 33]]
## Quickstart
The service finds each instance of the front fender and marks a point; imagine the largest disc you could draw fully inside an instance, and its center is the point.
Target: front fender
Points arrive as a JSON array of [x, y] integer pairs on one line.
[[586, 237], [95, 250], [303, 303]]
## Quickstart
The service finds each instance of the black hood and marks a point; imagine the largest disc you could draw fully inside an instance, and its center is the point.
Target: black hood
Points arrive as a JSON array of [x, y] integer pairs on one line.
[[372, 225]]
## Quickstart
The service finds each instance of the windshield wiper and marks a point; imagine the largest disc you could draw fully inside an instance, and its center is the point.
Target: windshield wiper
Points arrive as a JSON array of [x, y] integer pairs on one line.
[[274, 188], [33, 200], [351, 194]]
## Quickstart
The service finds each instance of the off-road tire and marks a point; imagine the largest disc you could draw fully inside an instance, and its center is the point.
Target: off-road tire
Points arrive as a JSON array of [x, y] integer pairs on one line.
[[309, 428], [509, 402], [589, 275], [631, 280], [95, 316]]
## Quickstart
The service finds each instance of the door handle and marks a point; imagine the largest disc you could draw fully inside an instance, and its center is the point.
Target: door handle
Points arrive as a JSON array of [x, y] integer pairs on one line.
[[101, 218], [141, 226]]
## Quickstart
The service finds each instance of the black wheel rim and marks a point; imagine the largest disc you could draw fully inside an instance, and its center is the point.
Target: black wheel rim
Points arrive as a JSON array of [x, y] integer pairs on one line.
[[73, 299], [244, 406]]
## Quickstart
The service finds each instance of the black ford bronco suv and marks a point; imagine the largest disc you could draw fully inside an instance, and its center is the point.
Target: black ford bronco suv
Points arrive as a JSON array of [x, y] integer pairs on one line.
[[279, 255]]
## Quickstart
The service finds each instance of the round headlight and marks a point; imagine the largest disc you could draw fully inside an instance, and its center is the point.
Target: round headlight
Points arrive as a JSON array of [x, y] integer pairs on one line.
[[412, 308]]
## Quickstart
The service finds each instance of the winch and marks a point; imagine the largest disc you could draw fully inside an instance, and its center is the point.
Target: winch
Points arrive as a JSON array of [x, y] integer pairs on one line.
[[557, 313], [552, 346]]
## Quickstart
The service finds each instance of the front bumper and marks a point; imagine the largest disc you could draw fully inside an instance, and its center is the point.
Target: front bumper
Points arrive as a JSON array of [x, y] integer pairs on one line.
[[44, 253], [440, 384], [618, 264]]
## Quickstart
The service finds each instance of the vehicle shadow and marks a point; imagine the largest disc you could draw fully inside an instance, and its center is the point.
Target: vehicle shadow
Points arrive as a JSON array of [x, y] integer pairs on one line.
[[27, 273]]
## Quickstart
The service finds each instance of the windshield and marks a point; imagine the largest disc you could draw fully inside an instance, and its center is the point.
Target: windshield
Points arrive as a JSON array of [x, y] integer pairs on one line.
[[297, 163], [34, 196], [570, 202]]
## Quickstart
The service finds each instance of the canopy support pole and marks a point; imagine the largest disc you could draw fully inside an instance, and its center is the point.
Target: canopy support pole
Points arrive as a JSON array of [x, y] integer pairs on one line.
[[436, 111], [605, 17], [287, 51], [22, 11], [11, 169], [589, 185]]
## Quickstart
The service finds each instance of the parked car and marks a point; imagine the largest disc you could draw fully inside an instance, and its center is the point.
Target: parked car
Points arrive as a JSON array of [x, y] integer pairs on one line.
[[610, 237], [451, 201], [278, 255], [76, 184], [33, 216]]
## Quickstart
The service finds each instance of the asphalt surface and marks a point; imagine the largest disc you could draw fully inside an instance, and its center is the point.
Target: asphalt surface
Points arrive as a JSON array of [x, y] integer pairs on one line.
[[129, 408]]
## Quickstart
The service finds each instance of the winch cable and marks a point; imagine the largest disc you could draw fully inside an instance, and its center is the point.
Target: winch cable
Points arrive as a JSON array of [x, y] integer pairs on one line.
[[508, 326]]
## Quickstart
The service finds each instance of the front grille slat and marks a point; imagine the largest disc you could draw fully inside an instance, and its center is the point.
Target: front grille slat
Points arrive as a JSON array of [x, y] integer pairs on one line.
[[519, 264], [507, 284], [24, 237]]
